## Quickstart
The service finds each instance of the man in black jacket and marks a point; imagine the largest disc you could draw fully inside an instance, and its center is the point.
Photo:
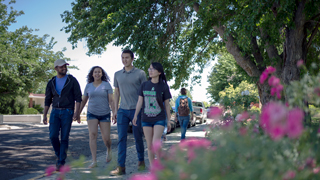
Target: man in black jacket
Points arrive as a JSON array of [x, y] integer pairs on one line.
[[62, 92]]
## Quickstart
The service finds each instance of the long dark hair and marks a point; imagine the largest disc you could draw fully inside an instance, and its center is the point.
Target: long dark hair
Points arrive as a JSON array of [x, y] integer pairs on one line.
[[104, 76], [162, 81]]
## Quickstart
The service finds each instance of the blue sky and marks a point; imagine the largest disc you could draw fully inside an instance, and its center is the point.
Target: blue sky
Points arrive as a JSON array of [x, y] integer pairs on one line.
[[45, 16]]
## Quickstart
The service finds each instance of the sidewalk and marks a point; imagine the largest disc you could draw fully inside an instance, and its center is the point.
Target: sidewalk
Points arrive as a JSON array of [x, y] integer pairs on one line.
[[9, 126], [103, 168]]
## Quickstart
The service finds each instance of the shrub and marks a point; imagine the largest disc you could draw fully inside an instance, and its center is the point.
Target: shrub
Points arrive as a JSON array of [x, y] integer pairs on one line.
[[38, 108], [31, 111], [255, 109], [273, 144]]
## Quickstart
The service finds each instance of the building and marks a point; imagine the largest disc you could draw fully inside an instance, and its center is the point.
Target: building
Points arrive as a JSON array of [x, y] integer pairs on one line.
[[35, 99]]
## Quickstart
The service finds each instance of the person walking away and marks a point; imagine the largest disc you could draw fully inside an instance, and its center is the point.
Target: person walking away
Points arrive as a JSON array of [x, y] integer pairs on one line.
[[127, 83], [100, 94], [152, 94], [64, 93], [183, 110]]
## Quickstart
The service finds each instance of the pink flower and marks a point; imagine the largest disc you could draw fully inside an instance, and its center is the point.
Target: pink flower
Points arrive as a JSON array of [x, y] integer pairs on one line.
[[191, 155], [156, 146], [273, 81], [272, 114], [319, 130], [214, 148], [65, 169], [243, 131], [244, 116], [263, 77], [215, 112], [173, 150], [150, 176], [287, 104], [273, 91], [227, 125], [294, 123], [265, 74], [183, 175], [289, 175], [277, 132], [279, 89], [156, 166], [50, 170], [316, 170], [300, 63], [273, 119], [195, 143], [310, 162], [270, 70]]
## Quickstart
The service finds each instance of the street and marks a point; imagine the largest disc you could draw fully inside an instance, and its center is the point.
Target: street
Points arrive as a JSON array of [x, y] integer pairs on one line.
[[27, 152]]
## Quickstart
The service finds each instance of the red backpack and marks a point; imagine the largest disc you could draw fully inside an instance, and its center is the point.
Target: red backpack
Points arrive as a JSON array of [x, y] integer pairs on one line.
[[183, 109]]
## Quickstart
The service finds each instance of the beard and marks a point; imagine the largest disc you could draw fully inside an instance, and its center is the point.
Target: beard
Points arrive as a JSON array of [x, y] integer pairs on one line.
[[62, 73]]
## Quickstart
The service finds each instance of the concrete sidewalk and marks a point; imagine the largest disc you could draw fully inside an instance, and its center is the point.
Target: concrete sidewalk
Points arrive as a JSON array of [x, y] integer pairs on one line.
[[103, 169], [9, 126]]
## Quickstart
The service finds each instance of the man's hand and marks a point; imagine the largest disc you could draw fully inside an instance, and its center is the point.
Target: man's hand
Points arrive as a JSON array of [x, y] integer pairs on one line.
[[114, 118], [45, 120], [134, 120], [76, 117]]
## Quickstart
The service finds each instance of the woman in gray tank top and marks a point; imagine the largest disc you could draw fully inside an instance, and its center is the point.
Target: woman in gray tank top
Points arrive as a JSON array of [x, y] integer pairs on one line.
[[100, 95]]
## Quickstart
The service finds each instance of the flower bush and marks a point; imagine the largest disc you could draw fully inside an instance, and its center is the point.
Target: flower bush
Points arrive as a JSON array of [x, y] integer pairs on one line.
[[273, 144]]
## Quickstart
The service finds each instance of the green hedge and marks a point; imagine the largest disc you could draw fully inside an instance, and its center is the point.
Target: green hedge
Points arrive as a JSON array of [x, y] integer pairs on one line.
[[31, 111]]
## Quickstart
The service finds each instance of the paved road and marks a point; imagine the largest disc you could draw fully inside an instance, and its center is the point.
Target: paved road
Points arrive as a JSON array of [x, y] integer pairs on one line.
[[29, 151]]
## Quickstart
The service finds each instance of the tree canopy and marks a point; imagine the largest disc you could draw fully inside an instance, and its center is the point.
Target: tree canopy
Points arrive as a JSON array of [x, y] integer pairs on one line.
[[184, 35], [224, 73], [26, 62]]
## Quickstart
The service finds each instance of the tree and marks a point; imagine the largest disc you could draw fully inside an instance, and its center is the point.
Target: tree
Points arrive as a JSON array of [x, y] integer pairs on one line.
[[232, 97], [185, 34], [206, 104], [157, 31], [224, 73], [26, 62]]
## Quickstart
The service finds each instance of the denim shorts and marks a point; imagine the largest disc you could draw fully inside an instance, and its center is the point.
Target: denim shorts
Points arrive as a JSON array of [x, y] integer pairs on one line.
[[104, 118], [151, 124]]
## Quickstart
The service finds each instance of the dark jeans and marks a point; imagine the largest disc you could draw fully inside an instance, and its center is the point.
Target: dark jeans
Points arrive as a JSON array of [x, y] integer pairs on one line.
[[60, 119], [184, 121], [123, 118]]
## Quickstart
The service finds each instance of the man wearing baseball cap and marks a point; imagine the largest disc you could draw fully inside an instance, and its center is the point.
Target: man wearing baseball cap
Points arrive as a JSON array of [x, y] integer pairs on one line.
[[64, 93]]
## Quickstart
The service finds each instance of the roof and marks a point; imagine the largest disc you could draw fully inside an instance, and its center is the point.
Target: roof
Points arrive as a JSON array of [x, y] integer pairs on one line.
[[31, 95]]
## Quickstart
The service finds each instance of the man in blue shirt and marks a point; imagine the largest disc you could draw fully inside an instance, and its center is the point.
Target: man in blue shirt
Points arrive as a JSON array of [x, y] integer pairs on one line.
[[64, 93], [183, 120]]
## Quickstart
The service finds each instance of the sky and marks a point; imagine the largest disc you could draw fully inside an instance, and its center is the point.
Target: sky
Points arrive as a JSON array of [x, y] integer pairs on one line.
[[45, 16]]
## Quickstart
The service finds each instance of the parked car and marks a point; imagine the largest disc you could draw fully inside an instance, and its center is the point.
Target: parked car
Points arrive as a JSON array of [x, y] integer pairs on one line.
[[200, 111]]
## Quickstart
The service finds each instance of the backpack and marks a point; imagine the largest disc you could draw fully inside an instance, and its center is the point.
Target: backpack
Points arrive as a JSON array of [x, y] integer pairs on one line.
[[183, 109]]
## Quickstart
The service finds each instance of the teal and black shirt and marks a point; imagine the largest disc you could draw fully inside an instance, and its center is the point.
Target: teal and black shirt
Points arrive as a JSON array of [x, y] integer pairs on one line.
[[151, 111]]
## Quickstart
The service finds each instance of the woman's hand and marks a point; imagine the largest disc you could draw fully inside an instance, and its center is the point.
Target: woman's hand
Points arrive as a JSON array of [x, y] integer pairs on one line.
[[168, 126]]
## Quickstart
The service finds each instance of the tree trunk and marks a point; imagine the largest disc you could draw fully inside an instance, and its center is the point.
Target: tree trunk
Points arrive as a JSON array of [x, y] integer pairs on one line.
[[295, 47], [264, 92]]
